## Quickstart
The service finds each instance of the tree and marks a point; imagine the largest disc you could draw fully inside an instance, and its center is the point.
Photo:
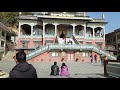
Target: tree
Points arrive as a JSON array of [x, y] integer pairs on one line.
[[9, 18]]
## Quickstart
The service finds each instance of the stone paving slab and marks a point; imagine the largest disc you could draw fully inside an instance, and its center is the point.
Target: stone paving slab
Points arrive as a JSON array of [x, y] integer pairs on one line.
[[76, 69]]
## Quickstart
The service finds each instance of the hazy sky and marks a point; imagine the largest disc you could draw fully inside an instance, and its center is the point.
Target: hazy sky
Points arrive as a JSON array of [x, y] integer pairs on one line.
[[113, 19]]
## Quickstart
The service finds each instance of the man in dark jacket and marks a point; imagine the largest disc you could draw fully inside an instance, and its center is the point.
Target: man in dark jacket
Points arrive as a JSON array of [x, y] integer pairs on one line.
[[22, 69], [54, 69]]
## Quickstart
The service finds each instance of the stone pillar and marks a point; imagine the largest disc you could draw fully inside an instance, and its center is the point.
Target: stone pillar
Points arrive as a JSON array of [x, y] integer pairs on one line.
[[73, 29], [31, 31], [55, 29], [44, 29], [93, 33], [84, 31], [100, 33], [19, 30], [104, 32], [44, 33]]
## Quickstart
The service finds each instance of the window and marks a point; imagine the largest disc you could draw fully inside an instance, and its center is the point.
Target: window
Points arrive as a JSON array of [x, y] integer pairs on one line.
[[86, 54], [114, 39], [55, 54], [2, 43], [118, 36], [3, 33]]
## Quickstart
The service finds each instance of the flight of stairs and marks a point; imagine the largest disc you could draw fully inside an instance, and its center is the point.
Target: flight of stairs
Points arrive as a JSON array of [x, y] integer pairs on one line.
[[9, 56]]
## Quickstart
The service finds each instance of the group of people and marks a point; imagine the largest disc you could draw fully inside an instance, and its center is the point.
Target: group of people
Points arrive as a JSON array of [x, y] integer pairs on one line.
[[93, 58], [23, 69], [55, 70]]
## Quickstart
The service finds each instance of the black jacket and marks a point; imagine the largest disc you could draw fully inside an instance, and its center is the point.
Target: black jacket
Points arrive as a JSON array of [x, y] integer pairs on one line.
[[23, 70], [54, 70]]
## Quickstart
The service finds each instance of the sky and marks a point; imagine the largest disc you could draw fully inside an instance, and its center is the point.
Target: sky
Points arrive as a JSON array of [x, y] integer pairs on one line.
[[113, 19]]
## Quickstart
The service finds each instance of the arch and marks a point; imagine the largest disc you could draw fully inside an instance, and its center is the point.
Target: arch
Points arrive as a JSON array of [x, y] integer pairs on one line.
[[49, 29], [62, 30], [98, 32], [37, 30], [79, 30], [26, 29], [89, 32]]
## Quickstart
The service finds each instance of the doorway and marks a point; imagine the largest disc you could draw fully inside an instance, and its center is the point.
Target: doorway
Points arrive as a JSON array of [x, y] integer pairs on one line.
[[70, 56]]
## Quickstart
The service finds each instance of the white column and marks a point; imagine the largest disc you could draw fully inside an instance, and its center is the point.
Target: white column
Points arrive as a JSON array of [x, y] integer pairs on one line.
[[31, 31], [85, 31], [100, 33], [19, 30], [93, 32], [73, 29], [84, 13], [104, 32], [44, 29], [55, 29]]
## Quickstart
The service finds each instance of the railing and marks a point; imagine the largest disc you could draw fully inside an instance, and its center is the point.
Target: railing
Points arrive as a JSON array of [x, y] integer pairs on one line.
[[99, 38], [37, 52], [25, 36], [37, 36], [73, 37], [98, 20], [76, 36], [112, 68], [91, 38], [104, 53], [68, 47], [49, 36]]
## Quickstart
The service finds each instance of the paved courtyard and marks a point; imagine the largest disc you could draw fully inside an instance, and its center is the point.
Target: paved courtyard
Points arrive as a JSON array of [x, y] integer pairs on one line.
[[76, 69]]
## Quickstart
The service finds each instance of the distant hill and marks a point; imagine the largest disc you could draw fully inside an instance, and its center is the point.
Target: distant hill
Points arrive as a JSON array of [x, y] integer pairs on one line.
[[9, 18]]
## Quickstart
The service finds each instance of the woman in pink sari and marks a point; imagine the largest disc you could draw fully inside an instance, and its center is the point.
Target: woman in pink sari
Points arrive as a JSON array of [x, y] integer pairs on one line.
[[64, 70]]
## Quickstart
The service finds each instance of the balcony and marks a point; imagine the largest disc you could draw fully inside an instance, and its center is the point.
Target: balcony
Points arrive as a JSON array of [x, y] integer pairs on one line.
[[89, 38], [37, 36], [98, 20], [25, 36], [77, 36], [49, 36], [99, 38]]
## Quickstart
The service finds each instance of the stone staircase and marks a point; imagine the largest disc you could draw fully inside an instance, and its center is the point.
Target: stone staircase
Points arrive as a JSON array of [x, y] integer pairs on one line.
[[9, 55], [68, 47]]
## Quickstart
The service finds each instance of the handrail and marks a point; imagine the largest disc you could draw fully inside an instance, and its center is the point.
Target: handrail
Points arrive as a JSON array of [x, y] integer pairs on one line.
[[73, 37], [37, 52], [69, 47], [112, 68]]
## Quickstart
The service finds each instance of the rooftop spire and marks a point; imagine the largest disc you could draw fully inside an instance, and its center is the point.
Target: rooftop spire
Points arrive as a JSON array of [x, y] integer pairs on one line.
[[103, 16]]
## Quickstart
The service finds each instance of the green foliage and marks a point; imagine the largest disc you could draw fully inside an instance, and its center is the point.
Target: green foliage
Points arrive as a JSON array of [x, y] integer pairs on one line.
[[9, 18]]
